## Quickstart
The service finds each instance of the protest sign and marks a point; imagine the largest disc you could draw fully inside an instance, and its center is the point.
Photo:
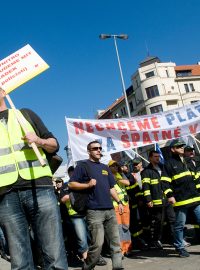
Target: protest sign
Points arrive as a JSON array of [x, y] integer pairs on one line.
[[17, 69], [122, 134], [20, 67]]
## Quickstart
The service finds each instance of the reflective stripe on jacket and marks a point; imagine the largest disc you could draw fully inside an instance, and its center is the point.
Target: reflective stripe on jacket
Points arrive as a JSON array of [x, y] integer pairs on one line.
[[134, 192], [180, 182], [152, 186], [17, 157]]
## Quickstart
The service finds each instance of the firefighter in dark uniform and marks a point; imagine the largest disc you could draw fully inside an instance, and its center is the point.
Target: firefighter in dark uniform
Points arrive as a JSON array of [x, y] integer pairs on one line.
[[193, 161], [136, 202], [180, 186], [158, 206]]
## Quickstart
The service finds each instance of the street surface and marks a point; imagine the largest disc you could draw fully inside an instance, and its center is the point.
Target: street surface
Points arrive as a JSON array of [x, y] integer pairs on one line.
[[166, 259]]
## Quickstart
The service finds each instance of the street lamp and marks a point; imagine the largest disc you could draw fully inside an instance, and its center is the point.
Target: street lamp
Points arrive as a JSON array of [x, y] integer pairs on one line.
[[121, 36]]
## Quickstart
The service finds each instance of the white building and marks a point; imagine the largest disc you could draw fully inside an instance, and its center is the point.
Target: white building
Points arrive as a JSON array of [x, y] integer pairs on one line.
[[157, 87]]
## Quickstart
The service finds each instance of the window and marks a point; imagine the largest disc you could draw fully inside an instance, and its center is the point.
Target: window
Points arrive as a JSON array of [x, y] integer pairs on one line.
[[171, 102], [167, 73], [123, 111], [131, 106], [183, 73], [189, 87], [192, 87], [186, 88], [156, 109], [149, 74], [152, 91]]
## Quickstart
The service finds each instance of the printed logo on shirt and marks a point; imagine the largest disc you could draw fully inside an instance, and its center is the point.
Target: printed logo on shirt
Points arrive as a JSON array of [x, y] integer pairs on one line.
[[104, 172]]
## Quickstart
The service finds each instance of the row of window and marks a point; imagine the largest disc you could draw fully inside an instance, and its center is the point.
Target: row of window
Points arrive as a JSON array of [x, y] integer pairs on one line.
[[183, 73], [152, 92], [189, 87], [159, 108], [151, 74]]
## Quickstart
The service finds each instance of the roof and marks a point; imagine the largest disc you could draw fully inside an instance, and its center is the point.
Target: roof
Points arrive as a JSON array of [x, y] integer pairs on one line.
[[149, 60], [195, 69], [109, 109]]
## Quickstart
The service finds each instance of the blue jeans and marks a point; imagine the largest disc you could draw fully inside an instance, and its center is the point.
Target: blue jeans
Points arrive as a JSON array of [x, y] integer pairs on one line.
[[81, 233], [181, 215], [38, 208], [100, 223], [3, 242]]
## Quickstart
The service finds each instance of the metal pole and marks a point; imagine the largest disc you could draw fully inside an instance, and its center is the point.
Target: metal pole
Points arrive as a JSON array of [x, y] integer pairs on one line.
[[121, 74], [180, 94]]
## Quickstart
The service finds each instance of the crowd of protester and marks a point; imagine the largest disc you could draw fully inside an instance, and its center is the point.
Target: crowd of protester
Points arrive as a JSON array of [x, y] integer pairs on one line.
[[158, 200]]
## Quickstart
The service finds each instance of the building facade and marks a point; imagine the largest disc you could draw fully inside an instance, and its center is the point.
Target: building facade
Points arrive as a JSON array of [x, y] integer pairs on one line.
[[157, 87]]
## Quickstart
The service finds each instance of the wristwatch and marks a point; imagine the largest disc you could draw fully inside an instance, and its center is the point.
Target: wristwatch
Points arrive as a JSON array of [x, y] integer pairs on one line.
[[119, 202]]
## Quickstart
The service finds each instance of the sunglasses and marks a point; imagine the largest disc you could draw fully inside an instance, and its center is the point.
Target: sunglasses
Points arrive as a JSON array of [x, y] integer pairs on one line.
[[96, 148], [179, 146]]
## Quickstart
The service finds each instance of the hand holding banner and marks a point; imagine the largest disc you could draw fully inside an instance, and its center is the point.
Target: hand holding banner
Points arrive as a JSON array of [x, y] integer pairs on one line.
[[15, 70], [33, 145]]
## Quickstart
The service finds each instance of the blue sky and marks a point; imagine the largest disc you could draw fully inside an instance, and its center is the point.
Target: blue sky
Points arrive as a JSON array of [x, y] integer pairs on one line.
[[84, 75]]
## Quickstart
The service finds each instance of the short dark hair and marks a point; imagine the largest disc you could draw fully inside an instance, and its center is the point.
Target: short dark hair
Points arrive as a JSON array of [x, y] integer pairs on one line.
[[153, 152], [70, 169], [88, 146]]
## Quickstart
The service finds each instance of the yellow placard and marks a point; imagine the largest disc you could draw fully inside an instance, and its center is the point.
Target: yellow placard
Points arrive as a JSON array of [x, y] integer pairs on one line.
[[20, 67]]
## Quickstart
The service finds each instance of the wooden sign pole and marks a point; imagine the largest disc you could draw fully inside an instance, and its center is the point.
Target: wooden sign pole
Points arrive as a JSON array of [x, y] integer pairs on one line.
[[22, 124]]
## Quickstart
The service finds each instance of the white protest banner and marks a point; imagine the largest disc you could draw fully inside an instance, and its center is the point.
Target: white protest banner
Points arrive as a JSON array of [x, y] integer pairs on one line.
[[20, 67], [121, 134]]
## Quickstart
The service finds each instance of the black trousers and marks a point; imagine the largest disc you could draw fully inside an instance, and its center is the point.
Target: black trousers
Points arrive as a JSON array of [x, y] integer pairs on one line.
[[159, 215]]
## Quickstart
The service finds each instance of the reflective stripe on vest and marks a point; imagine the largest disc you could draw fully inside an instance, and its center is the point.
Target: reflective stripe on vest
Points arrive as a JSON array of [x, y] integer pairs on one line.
[[21, 146], [71, 211], [7, 169], [5, 151], [17, 157], [29, 164], [120, 192]]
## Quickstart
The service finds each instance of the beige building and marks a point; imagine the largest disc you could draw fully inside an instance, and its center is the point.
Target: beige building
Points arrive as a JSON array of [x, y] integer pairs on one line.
[[156, 87]]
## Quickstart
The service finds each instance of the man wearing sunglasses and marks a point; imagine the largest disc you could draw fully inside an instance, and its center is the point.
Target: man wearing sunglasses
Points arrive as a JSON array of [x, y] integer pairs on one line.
[[181, 188], [100, 215]]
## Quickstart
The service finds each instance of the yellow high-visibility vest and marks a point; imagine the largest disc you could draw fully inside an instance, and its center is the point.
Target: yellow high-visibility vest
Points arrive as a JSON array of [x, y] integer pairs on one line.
[[121, 192], [16, 156], [71, 211]]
